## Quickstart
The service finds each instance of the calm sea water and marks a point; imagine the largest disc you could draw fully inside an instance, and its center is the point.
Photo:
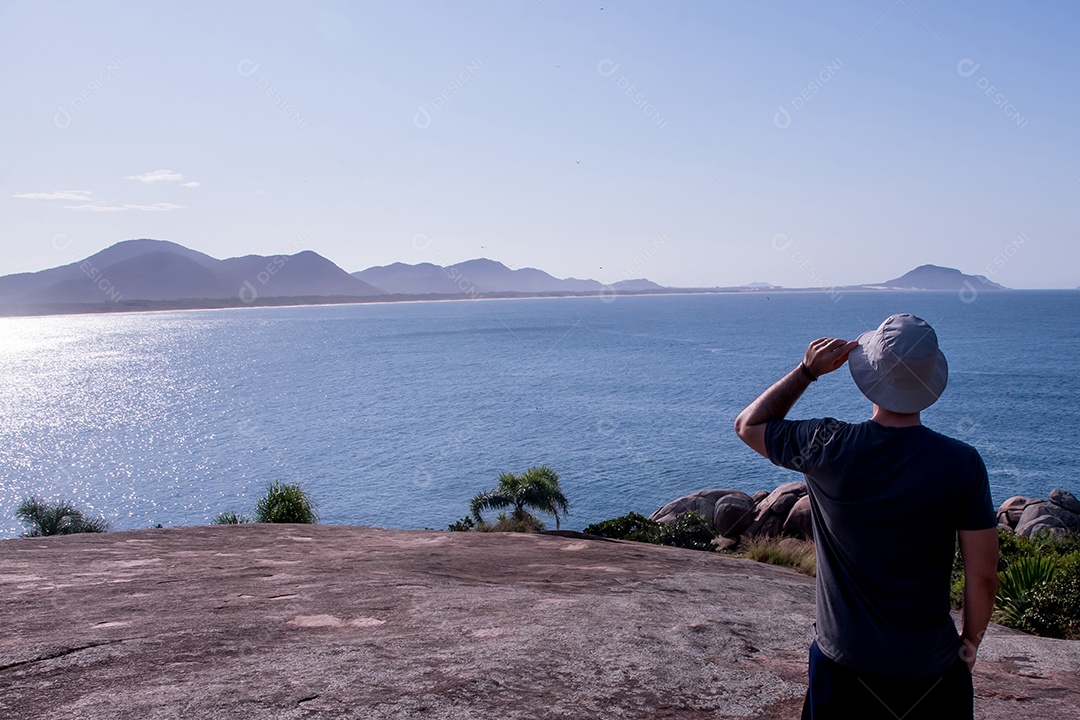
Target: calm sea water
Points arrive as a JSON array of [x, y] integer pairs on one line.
[[395, 415]]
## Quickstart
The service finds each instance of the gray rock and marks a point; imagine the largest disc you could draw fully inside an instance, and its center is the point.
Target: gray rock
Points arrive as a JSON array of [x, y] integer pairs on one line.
[[733, 514], [1052, 529], [759, 496], [702, 501], [774, 509], [1065, 500], [723, 544], [1046, 514], [799, 521], [1010, 511]]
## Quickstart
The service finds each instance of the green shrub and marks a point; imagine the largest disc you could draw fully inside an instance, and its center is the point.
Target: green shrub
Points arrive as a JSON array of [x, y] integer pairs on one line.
[[465, 524], [1011, 547], [229, 518], [1053, 609], [1039, 583], [689, 530], [284, 503], [785, 552], [632, 526], [526, 524], [1016, 583], [60, 518]]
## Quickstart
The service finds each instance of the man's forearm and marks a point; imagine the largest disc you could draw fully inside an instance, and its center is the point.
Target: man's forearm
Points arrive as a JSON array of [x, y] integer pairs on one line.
[[979, 596], [776, 402], [823, 356]]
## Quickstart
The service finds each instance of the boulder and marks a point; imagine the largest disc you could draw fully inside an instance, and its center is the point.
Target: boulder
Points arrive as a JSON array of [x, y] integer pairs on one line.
[[1010, 511], [733, 514], [724, 544], [799, 521], [703, 501], [772, 512], [1065, 500], [759, 496], [1044, 515], [1037, 528]]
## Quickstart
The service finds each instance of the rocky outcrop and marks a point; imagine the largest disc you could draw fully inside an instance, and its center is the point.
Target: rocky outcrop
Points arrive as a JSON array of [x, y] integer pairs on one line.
[[1010, 511], [1059, 514], [733, 514], [702, 501], [772, 512], [799, 523], [1064, 500], [278, 622]]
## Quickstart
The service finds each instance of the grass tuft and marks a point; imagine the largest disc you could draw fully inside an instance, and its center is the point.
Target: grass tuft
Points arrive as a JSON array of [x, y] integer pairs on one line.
[[785, 552]]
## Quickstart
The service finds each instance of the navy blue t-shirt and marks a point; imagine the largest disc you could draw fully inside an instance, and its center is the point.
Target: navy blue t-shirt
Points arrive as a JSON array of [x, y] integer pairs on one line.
[[886, 504]]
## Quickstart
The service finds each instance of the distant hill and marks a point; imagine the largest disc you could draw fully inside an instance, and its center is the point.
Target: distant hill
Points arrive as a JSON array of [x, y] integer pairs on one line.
[[933, 277], [158, 270], [147, 274], [480, 276]]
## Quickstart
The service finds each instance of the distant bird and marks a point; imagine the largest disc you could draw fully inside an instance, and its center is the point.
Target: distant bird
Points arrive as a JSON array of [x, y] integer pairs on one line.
[[578, 162], [558, 66]]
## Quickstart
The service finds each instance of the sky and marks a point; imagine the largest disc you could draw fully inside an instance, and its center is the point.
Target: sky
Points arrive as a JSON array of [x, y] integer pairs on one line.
[[693, 143]]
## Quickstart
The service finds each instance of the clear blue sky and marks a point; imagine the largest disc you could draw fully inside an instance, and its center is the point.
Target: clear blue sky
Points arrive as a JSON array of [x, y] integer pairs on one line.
[[708, 143]]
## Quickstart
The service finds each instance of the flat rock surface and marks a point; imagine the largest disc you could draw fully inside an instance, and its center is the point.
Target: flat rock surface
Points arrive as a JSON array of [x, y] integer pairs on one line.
[[288, 621]]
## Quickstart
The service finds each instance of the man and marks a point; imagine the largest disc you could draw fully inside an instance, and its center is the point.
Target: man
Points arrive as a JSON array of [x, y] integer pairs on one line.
[[888, 499]]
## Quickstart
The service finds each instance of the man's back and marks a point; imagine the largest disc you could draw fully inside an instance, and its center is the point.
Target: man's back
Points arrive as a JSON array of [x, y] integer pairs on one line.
[[887, 502]]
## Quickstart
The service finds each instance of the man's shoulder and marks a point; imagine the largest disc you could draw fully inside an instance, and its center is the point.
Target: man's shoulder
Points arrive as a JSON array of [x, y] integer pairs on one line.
[[948, 442]]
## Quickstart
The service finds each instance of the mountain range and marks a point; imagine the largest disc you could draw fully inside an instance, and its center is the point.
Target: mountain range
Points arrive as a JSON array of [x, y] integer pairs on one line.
[[158, 270], [152, 274]]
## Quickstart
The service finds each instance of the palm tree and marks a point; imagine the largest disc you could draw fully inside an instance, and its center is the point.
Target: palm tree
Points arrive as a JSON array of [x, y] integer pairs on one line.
[[536, 488], [60, 518]]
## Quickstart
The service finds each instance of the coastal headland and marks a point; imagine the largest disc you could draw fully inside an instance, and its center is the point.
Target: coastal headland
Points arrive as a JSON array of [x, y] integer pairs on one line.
[[290, 621]]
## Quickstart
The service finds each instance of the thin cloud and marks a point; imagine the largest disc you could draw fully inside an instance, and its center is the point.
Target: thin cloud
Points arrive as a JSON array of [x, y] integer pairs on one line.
[[156, 207], [96, 208], [190, 184], [76, 195], [157, 176]]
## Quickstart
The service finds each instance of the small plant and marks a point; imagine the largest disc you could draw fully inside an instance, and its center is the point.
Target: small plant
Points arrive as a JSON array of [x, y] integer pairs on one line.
[[689, 530], [503, 523], [59, 518], [632, 526], [465, 524], [1053, 609], [536, 488], [284, 503], [229, 518], [1016, 584], [785, 552]]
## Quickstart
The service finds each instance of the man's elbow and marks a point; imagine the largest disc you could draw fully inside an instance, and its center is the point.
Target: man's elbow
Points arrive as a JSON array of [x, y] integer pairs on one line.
[[740, 426]]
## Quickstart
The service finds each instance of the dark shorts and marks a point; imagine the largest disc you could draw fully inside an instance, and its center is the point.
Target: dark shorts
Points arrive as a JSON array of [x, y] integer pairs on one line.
[[837, 692]]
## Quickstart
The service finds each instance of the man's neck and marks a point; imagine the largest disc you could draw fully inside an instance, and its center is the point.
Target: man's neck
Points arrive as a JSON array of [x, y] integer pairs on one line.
[[888, 418]]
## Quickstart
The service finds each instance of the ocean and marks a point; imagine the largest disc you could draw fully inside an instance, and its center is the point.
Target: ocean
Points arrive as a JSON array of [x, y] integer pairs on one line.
[[396, 414]]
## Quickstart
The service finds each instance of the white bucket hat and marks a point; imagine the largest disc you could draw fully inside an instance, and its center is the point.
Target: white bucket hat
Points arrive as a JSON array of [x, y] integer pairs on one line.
[[899, 366]]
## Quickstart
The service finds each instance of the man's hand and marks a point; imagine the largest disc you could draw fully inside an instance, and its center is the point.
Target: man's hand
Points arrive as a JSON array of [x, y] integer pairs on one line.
[[827, 354], [822, 357]]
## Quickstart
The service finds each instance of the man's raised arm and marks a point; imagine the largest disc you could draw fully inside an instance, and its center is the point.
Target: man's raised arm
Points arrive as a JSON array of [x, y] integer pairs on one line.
[[822, 357]]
